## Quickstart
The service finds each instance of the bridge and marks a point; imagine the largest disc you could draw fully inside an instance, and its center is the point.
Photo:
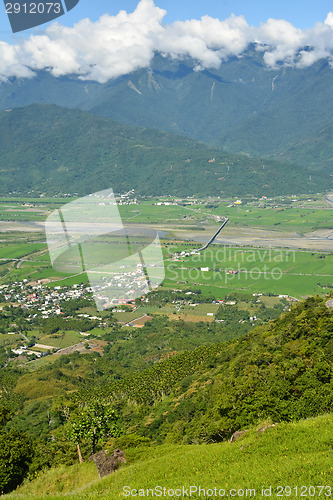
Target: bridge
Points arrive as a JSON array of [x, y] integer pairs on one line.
[[225, 220]]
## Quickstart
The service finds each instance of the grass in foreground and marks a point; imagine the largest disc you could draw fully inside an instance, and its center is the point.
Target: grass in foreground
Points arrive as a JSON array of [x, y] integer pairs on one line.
[[294, 455]]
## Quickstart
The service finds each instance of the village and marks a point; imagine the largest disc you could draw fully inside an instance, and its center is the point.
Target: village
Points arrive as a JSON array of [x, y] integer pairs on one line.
[[26, 303], [38, 320], [35, 295]]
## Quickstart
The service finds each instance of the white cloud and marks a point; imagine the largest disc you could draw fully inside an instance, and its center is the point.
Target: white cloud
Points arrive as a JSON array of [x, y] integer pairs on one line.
[[208, 41], [329, 19], [117, 45], [320, 42], [283, 40], [10, 63], [110, 47]]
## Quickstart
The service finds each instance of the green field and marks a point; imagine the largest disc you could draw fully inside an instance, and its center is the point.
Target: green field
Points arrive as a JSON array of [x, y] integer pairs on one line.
[[18, 209], [284, 272], [19, 250], [61, 339], [146, 212], [296, 273], [301, 220], [198, 312], [302, 217], [286, 458], [9, 340], [264, 271]]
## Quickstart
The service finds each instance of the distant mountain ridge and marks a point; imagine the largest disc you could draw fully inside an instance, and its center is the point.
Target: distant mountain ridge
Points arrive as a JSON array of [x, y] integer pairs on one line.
[[241, 107], [55, 150]]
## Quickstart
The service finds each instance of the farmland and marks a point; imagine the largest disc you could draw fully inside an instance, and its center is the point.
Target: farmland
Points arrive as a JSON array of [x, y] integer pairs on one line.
[[295, 273], [291, 214], [246, 256]]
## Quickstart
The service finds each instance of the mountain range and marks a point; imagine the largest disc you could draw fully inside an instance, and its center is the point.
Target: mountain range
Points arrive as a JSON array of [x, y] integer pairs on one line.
[[54, 150], [244, 108]]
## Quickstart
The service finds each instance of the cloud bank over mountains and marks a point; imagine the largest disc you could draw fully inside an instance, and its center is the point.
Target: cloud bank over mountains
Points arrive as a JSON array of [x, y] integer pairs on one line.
[[117, 45]]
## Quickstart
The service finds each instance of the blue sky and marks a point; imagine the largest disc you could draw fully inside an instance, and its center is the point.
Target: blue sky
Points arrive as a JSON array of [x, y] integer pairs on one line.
[[302, 14], [99, 47]]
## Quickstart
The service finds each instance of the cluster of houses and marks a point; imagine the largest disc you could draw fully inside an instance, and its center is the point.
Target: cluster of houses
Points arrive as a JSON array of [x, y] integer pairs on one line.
[[43, 302], [35, 294], [178, 256], [121, 288], [127, 198]]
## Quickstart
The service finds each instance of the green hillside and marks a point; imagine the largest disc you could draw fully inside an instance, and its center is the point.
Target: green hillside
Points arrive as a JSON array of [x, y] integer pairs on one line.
[[285, 457], [279, 372], [53, 150], [313, 150], [241, 106], [278, 133]]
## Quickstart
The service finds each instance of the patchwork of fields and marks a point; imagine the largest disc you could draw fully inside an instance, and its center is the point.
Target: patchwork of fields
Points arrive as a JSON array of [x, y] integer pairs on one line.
[[295, 272]]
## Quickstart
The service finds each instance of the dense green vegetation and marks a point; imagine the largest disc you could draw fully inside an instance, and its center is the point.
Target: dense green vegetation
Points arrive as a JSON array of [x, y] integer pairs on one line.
[[172, 392], [243, 106], [16, 454], [280, 371], [83, 153]]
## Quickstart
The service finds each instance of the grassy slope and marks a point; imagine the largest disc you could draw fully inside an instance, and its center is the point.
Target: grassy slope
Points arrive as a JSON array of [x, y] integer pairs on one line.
[[293, 454]]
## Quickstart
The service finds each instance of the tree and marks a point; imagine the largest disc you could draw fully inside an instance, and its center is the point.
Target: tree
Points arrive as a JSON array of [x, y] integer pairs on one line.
[[93, 422], [15, 457], [16, 452], [5, 416]]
